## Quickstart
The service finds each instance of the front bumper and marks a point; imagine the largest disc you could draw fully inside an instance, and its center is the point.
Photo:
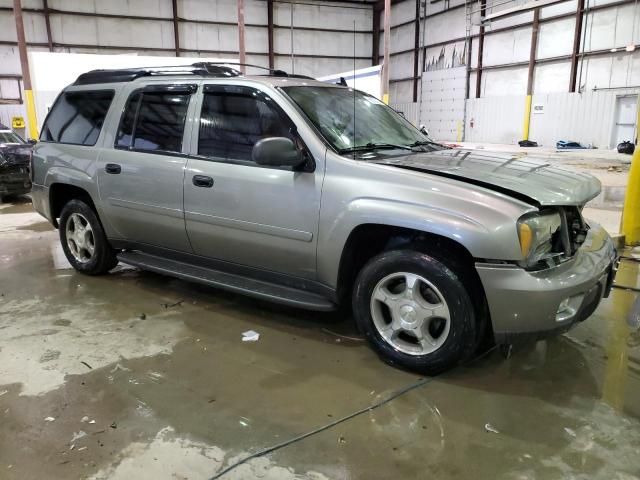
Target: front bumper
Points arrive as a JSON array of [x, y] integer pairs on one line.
[[526, 304], [14, 180]]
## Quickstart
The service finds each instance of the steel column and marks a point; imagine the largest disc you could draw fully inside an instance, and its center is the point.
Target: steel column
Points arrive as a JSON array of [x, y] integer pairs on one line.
[[483, 11], [535, 27], [176, 33], [387, 51], [24, 64], [375, 39], [577, 34], [270, 33], [47, 24], [241, 47], [416, 52]]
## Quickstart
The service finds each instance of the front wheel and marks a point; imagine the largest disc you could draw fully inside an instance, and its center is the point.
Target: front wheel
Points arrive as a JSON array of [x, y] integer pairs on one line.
[[83, 240], [415, 311]]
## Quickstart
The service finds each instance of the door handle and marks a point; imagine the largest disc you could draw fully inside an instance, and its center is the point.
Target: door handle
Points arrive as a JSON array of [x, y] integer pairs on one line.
[[202, 181], [112, 168]]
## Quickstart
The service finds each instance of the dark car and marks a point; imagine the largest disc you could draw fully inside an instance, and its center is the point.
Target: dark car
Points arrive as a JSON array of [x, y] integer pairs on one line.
[[15, 158]]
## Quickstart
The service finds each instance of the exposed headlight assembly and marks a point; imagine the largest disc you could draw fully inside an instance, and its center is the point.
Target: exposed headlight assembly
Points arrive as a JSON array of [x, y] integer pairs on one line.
[[540, 237]]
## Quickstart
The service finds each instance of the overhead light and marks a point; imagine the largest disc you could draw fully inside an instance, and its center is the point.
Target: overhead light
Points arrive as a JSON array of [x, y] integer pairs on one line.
[[630, 48]]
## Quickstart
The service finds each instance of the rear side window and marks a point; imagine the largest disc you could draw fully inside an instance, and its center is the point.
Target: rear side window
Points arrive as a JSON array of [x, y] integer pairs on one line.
[[77, 117], [154, 121]]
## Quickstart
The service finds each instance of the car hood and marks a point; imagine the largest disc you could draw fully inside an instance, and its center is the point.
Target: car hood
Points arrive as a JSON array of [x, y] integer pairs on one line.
[[523, 177]]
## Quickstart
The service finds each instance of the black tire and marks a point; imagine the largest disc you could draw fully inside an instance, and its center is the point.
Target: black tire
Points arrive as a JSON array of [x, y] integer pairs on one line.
[[461, 340], [104, 257]]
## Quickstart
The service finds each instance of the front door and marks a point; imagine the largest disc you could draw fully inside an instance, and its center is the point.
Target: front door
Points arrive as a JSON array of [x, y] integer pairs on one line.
[[626, 117], [141, 177], [238, 211]]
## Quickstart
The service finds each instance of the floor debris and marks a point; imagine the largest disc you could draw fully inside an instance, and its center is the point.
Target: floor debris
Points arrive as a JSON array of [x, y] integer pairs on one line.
[[78, 435], [84, 419], [490, 428], [170, 305], [120, 367], [49, 419], [570, 432], [250, 336], [86, 364]]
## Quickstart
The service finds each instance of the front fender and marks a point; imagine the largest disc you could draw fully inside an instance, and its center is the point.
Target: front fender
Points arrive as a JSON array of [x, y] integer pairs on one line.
[[494, 237]]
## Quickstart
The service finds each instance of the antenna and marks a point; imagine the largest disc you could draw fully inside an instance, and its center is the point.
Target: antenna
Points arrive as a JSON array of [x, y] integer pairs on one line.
[[354, 88]]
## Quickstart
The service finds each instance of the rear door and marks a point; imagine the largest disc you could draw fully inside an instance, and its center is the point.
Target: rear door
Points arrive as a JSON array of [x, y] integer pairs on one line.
[[141, 176], [241, 212]]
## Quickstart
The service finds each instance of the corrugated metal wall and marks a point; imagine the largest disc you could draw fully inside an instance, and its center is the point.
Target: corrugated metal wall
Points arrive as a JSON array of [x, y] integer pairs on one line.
[[409, 110], [588, 118], [494, 120]]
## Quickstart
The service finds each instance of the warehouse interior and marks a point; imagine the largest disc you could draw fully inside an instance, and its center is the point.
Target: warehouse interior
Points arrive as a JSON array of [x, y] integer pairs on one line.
[[143, 374]]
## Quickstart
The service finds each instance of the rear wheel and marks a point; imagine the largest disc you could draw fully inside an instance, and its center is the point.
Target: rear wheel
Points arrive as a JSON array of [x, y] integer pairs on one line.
[[83, 240], [415, 311]]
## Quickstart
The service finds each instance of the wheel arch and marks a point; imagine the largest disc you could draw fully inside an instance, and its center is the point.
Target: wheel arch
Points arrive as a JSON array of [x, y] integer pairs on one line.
[[61, 193]]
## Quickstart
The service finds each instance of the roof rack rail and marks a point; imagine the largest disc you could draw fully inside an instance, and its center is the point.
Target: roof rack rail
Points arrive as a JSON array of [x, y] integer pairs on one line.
[[130, 74], [204, 69], [273, 72]]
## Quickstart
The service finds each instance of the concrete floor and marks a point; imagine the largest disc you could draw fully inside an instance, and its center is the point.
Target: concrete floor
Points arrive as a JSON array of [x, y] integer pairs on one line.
[[171, 392]]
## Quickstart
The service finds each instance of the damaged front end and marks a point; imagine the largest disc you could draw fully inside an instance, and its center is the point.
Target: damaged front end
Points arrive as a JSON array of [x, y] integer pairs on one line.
[[15, 170], [551, 236]]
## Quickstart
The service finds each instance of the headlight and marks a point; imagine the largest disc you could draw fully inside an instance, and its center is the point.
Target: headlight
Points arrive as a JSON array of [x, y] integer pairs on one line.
[[537, 234]]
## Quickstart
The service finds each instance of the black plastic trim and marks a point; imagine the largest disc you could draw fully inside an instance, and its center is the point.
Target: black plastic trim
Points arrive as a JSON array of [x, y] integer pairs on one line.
[[253, 273]]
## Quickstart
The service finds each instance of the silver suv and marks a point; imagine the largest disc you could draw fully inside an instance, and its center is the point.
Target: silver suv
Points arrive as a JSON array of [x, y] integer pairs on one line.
[[318, 196]]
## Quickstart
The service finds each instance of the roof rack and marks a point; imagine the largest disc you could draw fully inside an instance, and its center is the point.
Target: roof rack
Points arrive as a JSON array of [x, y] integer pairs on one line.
[[203, 69]]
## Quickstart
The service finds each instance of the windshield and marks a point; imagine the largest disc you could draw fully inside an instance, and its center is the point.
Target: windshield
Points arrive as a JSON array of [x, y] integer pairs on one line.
[[10, 137], [332, 110]]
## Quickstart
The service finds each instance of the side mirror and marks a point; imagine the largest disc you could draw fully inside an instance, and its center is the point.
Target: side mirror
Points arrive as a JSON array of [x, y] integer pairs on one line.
[[424, 130], [276, 152], [32, 141]]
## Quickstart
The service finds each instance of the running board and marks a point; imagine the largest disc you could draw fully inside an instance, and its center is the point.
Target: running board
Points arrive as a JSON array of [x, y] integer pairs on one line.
[[234, 283]]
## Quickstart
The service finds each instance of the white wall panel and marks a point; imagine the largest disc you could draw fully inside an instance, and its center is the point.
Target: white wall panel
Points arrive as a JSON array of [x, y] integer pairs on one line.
[[401, 66], [586, 118], [220, 10], [194, 36], [34, 27], [402, 12], [143, 8], [507, 47], [9, 60], [75, 29], [305, 15], [504, 82], [446, 27], [321, 43], [555, 38], [551, 77], [401, 92], [495, 120], [560, 8], [402, 38]]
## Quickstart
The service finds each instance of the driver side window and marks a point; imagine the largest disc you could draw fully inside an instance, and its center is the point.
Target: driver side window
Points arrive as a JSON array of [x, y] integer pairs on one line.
[[234, 119]]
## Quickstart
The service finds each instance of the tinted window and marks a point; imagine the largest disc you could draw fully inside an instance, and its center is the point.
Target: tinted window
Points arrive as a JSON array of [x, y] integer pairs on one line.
[[10, 137], [232, 122], [154, 120], [77, 117]]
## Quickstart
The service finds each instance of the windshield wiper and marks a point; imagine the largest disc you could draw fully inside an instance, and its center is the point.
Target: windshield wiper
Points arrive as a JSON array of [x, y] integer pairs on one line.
[[420, 143], [369, 147]]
